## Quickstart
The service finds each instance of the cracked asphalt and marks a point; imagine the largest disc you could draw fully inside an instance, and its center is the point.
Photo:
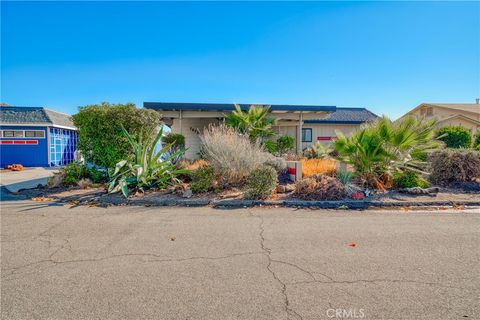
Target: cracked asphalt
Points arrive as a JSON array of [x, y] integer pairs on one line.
[[63, 262]]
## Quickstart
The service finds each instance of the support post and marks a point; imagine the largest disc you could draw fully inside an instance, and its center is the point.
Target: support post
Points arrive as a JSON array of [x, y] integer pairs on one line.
[[180, 121], [299, 133]]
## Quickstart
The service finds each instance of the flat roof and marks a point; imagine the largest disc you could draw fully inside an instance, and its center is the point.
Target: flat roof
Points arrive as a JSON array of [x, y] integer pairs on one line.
[[177, 106]]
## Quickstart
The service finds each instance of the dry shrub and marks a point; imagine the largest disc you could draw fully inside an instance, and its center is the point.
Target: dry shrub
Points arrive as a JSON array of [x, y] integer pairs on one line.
[[311, 167], [56, 180], [454, 165], [320, 187], [192, 165], [232, 155], [85, 183]]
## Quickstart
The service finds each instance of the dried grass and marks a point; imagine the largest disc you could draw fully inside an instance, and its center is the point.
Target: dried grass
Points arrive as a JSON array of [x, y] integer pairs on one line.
[[311, 167], [232, 155], [192, 165]]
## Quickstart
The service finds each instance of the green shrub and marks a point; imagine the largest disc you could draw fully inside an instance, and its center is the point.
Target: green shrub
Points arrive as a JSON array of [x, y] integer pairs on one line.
[[454, 165], [455, 136], [98, 176], [281, 146], [285, 144], [408, 179], [74, 172], [261, 183], [477, 141], [100, 137], [147, 169], [177, 140], [203, 180], [271, 146]]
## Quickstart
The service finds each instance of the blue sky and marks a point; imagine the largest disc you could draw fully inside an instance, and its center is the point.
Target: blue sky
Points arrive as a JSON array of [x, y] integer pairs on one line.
[[386, 56]]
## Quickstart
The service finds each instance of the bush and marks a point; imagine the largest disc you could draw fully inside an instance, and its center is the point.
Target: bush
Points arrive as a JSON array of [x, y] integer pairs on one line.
[[281, 146], [100, 137], [98, 176], [203, 180], [177, 142], [408, 179], [231, 154], [320, 187], [261, 183], [454, 165], [277, 163], [455, 137], [74, 172], [311, 167], [477, 141]]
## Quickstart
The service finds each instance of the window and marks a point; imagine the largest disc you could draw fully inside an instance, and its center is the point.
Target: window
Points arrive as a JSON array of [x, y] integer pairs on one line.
[[307, 135], [34, 134], [13, 134]]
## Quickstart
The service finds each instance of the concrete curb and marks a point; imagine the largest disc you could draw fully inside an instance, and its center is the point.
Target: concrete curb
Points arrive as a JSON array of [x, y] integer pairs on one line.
[[232, 204], [356, 205]]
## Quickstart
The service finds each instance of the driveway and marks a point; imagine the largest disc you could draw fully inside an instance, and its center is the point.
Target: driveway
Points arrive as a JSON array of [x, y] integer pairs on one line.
[[25, 179], [62, 262]]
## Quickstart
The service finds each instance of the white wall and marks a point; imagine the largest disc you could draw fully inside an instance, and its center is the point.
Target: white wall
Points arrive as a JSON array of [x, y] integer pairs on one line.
[[192, 139]]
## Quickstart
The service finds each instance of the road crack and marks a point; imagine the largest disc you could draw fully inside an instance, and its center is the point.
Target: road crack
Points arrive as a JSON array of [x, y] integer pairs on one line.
[[267, 252]]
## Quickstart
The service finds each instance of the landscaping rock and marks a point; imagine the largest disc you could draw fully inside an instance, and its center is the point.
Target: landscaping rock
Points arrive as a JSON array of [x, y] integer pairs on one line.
[[420, 191], [187, 193]]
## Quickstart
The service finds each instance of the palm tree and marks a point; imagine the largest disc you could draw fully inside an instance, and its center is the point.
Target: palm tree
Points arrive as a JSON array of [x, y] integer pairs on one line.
[[380, 148], [255, 122]]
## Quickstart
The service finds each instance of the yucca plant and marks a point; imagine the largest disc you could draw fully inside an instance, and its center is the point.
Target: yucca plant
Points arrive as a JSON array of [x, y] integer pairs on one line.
[[255, 122], [379, 149], [147, 168]]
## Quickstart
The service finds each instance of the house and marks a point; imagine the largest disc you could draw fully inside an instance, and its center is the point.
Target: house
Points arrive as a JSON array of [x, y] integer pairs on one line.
[[36, 137], [450, 114], [307, 124]]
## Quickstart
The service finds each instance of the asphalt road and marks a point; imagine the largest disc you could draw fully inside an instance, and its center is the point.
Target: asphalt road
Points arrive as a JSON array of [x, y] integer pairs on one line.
[[60, 262]]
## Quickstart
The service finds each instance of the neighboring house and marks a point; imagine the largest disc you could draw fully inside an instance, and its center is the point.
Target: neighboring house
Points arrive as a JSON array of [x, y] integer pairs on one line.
[[450, 114], [307, 124], [36, 137]]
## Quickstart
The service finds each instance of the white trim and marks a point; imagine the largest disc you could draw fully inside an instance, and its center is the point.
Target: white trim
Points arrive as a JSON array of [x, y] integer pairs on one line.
[[49, 156], [24, 135], [33, 124]]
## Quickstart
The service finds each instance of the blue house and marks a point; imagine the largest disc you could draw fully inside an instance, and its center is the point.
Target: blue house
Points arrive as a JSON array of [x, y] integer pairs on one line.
[[36, 137]]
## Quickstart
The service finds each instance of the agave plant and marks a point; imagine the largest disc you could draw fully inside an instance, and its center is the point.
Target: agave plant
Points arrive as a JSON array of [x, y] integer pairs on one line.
[[255, 122], [318, 151], [383, 147], [147, 168]]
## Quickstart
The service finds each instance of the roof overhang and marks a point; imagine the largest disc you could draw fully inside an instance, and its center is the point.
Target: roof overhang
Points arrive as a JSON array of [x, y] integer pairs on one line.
[[167, 106]]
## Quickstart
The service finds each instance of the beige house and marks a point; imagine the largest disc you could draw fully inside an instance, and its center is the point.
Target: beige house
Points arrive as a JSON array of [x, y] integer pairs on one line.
[[307, 124], [450, 114]]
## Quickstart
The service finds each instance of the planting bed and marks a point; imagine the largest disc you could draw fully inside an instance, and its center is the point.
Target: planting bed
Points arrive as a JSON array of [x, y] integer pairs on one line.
[[233, 198]]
